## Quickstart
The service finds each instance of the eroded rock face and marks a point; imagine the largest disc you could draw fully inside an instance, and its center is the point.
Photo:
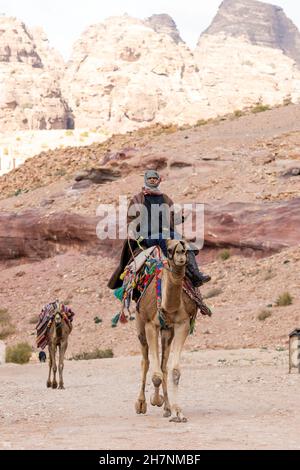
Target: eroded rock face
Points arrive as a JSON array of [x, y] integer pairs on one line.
[[126, 74], [262, 227], [259, 23], [236, 74], [30, 95]]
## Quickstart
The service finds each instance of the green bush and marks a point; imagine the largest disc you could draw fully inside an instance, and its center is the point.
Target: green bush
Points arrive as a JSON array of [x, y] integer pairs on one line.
[[96, 354], [69, 133], [284, 299], [18, 354], [84, 134], [225, 254]]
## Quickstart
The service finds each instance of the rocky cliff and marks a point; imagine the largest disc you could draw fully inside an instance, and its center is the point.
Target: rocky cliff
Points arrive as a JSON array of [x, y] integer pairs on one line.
[[30, 95], [127, 73], [124, 74], [259, 23]]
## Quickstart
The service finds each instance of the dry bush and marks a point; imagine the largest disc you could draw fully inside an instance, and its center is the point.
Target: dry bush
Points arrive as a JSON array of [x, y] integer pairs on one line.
[[284, 300], [18, 354], [96, 354]]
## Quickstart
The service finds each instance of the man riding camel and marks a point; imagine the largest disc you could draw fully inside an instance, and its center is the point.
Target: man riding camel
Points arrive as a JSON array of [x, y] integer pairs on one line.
[[155, 224]]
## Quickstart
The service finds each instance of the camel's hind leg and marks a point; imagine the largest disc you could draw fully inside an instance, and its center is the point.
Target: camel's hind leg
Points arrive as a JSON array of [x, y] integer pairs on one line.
[[62, 350], [166, 340], [49, 383], [181, 332], [141, 405]]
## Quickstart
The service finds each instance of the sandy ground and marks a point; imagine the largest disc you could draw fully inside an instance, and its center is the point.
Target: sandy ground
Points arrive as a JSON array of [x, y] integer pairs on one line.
[[242, 399]]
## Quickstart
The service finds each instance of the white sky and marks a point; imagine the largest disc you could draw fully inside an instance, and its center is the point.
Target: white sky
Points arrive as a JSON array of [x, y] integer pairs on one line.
[[64, 20]]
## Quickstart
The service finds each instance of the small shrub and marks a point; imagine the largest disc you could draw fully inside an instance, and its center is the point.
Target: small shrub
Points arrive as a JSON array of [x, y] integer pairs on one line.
[[213, 293], [225, 254], [260, 108], [84, 134], [263, 315], [201, 122], [5, 151], [238, 113], [96, 354], [284, 300], [18, 354], [18, 139], [287, 100], [69, 133]]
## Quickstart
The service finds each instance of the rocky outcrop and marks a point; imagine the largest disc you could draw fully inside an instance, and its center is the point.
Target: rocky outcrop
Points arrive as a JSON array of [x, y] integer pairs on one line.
[[259, 23], [30, 96], [164, 24], [123, 74], [264, 228]]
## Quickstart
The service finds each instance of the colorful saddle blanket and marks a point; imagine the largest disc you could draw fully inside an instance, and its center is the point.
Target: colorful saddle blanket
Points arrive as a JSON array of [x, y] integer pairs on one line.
[[46, 317], [138, 275]]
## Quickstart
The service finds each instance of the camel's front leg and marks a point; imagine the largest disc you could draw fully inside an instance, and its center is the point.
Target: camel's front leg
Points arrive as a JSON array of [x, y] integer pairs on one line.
[[152, 339], [141, 405], [166, 340], [62, 351], [181, 331], [49, 383]]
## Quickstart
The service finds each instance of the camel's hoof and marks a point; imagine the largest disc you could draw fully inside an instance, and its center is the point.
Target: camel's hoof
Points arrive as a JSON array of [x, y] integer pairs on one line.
[[61, 387], [167, 413], [49, 384], [141, 407], [54, 385], [179, 418], [156, 379], [157, 400]]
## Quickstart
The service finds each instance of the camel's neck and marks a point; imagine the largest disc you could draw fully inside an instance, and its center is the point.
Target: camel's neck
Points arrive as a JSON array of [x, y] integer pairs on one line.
[[172, 288]]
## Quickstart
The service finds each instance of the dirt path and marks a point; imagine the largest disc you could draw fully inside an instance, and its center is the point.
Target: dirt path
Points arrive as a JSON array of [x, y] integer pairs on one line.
[[242, 399]]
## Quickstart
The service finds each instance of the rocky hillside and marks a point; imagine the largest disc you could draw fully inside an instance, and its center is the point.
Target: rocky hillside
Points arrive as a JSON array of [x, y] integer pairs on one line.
[[30, 95], [245, 169]]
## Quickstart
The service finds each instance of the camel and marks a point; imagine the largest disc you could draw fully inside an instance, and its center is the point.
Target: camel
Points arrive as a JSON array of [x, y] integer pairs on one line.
[[58, 337], [177, 309]]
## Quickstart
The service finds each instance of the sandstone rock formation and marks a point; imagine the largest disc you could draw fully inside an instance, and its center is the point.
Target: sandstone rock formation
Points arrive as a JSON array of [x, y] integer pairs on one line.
[[126, 73], [30, 95], [262, 227], [259, 23], [123, 75]]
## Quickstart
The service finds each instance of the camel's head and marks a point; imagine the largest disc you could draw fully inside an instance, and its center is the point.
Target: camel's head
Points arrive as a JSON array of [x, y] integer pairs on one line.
[[177, 252], [57, 316]]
